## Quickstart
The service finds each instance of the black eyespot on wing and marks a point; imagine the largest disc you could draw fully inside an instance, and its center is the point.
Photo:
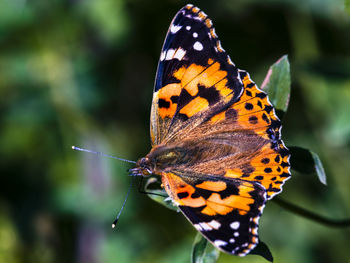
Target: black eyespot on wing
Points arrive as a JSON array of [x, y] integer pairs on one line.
[[182, 195], [163, 103]]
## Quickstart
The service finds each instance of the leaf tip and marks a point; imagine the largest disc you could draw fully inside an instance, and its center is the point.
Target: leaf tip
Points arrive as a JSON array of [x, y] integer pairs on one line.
[[319, 168]]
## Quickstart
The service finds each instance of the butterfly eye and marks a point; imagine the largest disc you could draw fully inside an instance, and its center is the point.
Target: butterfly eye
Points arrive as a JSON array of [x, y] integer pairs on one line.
[[143, 163]]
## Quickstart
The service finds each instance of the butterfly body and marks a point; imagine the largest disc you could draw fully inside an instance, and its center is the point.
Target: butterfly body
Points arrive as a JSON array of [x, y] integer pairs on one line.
[[216, 141]]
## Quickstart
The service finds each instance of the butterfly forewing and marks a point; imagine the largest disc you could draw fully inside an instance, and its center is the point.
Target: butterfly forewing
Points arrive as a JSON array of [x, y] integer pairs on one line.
[[194, 75]]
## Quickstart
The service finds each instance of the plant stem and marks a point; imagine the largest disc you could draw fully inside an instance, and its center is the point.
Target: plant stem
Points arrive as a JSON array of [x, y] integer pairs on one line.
[[310, 215]]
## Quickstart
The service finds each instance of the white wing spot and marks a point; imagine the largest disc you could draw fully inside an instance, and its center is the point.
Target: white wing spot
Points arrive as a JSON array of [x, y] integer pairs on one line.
[[170, 54], [195, 35], [214, 33], [232, 240], [179, 54], [230, 61], [198, 227], [214, 224], [162, 56], [188, 28], [234, 225], [220, 243], [243, 253], [173, 54], [219, 47], [198, 46], [205, 226], [236, 234], [174, 28]]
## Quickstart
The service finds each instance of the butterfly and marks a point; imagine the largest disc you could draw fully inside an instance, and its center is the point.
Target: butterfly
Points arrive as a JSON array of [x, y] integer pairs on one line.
[[216, 139]]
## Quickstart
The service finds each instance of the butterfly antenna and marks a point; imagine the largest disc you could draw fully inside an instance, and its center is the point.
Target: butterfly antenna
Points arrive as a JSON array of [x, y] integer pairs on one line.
[[121, 209], [101, 154]]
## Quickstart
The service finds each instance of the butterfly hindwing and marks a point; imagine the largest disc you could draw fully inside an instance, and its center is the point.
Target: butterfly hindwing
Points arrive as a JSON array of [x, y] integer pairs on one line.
[[194, 75], [225, 211]]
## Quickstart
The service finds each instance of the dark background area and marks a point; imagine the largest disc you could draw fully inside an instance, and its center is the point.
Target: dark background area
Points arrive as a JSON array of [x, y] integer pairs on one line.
[[80, 72]]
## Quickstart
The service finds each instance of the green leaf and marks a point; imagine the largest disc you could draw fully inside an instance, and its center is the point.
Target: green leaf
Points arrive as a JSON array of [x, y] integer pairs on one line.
[[159, 195], [198, 248], [319, 168], [347, 6], [262, 250], [306, 161], [203, 251], [277, 84], [212, 254]]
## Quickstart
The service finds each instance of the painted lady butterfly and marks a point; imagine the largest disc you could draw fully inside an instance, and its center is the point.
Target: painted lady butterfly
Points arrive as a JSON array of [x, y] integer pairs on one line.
[[216, 140]]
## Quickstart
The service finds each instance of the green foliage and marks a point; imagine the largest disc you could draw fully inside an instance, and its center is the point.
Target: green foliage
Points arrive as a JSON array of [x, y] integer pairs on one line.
[[203, 251], [347, 6], [277, 84], [306, 161], [159, 195]]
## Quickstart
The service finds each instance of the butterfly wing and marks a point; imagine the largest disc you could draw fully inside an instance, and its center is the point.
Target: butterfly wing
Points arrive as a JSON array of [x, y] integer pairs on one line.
[[201, 93], [226, 212], [244, 140], [194, 76], [224, 128], [269, 165]]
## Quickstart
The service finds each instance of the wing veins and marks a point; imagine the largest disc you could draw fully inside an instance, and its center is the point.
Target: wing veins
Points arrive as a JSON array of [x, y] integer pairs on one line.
[[251, 113], [233, 207]]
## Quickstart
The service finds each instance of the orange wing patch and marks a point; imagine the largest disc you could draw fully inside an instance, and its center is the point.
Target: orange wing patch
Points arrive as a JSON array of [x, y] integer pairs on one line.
[[209, 76], [194, 106], [181, 192], [253, 108], [213, 186], [215, 205], [268, 168], [185, 194], [190, 78], [253, 112], [167, 107]]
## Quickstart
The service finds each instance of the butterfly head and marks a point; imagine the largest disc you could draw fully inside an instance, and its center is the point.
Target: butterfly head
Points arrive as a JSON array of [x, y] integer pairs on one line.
[[158, 160], [143, 167]]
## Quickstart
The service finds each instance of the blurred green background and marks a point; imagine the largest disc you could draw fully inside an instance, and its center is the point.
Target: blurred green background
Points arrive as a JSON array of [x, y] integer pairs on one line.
[[80, 72]]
